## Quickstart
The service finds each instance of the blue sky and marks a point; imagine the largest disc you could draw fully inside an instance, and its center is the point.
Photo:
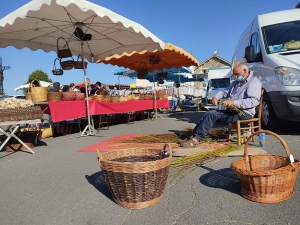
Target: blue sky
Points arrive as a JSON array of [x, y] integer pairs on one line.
[[198, 26]]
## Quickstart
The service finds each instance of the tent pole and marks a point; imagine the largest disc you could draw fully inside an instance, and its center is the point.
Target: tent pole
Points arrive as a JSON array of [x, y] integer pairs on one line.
[[89, 127], [154, 92]]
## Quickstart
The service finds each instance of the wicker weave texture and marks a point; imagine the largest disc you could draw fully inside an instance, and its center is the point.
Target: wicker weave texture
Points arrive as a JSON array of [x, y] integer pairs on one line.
[[54, 96], [136, 177], [38, 93], [266, 178]]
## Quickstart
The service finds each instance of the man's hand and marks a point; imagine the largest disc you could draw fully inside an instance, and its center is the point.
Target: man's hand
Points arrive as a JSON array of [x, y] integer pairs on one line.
[[214, 101], [228, 102]]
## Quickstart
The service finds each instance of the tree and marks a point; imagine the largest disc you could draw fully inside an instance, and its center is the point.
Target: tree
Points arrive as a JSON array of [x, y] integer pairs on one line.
[[39, 75]]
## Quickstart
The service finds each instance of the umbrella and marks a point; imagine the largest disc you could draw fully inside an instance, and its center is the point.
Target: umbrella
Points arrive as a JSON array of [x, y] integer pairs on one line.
[[26, 86], [171, 56], [88, 29]]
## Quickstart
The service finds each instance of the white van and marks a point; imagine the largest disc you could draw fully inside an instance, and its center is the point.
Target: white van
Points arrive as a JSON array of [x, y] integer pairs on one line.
[[218, 80], [271, 46]]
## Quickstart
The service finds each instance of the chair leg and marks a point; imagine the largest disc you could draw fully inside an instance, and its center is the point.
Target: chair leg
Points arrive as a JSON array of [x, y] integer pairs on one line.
[[252, 130], [238, 132]]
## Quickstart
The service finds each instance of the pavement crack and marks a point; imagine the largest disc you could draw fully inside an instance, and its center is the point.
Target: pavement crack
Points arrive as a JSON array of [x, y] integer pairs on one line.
[[226, 212], [229, 219], [168, 196], [126, 217], [191, 204]]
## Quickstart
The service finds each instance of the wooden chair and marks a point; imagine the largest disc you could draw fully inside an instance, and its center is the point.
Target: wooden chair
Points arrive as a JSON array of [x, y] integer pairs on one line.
[[249, 124]]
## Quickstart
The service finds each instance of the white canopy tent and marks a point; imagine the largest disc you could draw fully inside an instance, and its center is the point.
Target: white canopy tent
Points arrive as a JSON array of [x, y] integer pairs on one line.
[[39, 24], [26, 86]]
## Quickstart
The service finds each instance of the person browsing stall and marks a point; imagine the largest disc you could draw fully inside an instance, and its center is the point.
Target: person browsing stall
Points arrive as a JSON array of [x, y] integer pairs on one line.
[[56, 87], [243, 93], [96, 88], [82, 86]]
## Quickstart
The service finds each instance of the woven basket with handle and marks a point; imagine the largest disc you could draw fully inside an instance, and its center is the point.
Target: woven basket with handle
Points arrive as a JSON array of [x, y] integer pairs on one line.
[[67, 65], [37, 92], [266, 178], [136, 177], [79, 63], [63, 52], [45, 132], [57, 71]]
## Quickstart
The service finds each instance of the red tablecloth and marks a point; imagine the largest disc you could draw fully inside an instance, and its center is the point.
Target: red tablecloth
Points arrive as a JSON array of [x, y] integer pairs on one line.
[[66, 110]]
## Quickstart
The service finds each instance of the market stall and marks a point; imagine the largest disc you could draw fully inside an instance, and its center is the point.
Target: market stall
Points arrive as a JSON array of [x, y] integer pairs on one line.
[[66, 110], [74, 28]]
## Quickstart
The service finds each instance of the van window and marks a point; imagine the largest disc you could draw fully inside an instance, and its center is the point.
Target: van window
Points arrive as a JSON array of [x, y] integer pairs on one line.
[[257, 50], [282, 37], [255, 43], [220, 83]]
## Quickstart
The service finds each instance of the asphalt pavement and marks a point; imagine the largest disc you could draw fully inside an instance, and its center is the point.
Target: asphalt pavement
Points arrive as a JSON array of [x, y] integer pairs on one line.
[[58, 185]]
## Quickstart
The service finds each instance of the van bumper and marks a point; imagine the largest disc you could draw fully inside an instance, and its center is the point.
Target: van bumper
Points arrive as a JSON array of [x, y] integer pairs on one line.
[[286, 104]]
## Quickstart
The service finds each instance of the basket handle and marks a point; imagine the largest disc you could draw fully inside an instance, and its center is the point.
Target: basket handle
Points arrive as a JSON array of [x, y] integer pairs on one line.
[[54, 66], [79, 57], [288, 152], [167, 150], [64, 40]]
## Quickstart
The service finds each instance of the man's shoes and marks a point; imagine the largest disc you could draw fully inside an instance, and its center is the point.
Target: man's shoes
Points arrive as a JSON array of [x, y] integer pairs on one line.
[[189, 143]]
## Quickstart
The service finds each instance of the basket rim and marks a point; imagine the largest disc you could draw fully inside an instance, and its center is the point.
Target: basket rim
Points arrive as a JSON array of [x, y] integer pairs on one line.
[[280, 170]]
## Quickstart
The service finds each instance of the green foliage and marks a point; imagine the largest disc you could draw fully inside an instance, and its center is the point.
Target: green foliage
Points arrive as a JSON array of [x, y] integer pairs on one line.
[[39, 75]]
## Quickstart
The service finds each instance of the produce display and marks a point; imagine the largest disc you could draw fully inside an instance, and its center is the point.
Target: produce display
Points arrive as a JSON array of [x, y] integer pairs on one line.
[[15, 103], [12, 109]]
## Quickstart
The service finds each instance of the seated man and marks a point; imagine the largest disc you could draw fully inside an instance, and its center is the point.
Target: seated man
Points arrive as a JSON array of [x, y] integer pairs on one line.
[[243, 93]]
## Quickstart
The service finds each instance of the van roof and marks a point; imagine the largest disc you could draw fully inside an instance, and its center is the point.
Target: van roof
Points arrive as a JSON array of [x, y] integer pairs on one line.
[[278, 17]]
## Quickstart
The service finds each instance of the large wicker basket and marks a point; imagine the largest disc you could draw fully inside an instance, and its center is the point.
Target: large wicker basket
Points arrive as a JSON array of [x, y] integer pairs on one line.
[[54, 96], [266, 178], [136, 177], [37, 92]]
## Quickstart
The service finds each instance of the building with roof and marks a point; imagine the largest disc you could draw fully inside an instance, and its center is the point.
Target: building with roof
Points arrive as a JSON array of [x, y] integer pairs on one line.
[[215, 61]]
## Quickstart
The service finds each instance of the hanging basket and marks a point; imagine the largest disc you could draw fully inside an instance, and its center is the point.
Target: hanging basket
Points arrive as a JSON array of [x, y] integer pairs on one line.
[[55, 71], [37, 92], [79, 64], [142, 70], [266, 178], [67, 65], [65, 52], [136, 177]]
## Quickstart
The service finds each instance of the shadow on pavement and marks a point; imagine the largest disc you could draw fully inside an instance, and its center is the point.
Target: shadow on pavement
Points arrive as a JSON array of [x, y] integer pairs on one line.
[[288, 128], [97, 180], [225, 179]]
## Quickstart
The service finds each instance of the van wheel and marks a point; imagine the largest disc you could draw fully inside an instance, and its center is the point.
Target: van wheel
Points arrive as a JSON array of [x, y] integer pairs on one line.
[[269, 120]]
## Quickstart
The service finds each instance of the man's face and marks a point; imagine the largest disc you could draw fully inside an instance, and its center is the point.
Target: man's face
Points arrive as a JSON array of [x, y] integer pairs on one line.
[[240, 71]]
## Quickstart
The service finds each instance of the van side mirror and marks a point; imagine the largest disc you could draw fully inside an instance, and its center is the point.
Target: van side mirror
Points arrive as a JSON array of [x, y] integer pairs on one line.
[[249, 53]]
